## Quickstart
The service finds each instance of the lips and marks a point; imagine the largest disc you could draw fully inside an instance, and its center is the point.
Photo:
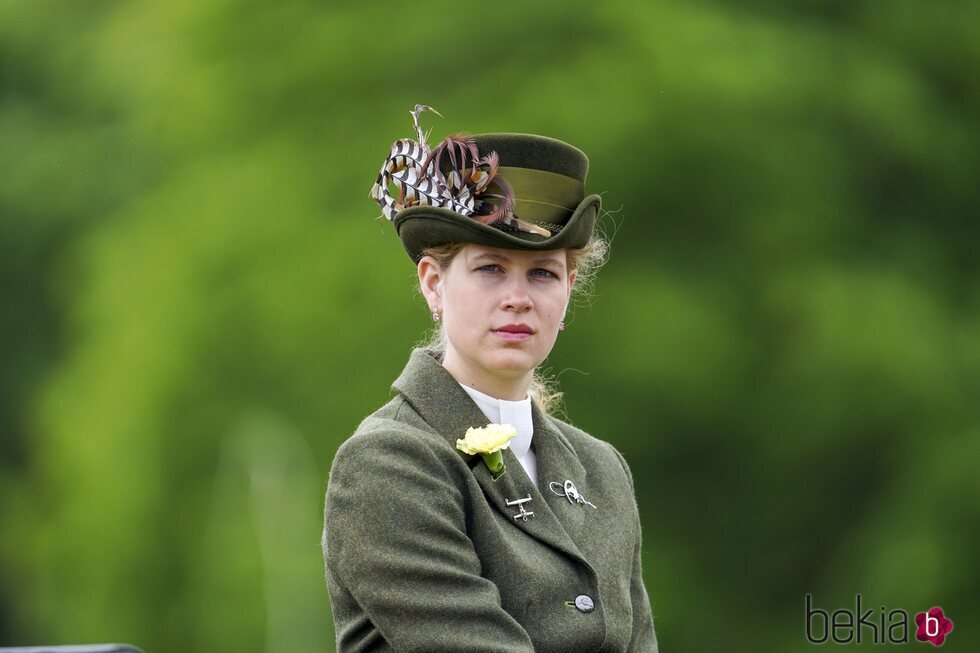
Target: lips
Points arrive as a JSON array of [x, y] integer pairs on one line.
[[514, 333], [515, 328]]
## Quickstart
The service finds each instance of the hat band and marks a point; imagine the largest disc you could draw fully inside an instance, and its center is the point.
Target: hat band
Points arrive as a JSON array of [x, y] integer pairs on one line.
[[543, 196]]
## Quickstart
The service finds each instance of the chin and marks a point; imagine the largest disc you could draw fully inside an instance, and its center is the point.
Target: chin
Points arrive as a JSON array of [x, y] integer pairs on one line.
[[513, 363]]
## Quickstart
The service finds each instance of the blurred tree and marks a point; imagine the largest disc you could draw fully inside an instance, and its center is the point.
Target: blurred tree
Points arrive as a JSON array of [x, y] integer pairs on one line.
[[198, 307]]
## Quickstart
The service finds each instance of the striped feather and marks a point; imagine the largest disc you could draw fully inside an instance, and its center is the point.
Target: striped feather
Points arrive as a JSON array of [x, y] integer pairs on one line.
[[415, 172]]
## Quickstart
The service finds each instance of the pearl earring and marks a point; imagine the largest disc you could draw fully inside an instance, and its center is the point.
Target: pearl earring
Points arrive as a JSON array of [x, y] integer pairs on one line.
[[435, 316], [561, 325]]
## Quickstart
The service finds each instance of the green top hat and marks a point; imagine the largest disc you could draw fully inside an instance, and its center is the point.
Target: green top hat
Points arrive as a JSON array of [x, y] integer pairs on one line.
[[514, 191]]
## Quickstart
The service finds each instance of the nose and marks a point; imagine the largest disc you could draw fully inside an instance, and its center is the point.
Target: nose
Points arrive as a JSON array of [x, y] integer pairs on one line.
[[517, 298]]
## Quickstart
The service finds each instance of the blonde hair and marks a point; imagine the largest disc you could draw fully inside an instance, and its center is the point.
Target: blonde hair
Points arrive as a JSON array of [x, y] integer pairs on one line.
[[586, 261]]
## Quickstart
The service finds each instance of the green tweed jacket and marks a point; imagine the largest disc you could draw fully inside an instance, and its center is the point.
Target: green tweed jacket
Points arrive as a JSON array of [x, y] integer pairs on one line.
[[423, 553]]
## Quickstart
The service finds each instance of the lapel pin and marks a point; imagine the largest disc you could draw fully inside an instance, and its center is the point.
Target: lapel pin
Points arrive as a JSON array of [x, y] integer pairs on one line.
[[570, 492], [523, 514]]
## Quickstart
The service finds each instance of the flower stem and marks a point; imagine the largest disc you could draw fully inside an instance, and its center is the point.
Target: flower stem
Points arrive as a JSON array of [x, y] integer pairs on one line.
[[495, 463]]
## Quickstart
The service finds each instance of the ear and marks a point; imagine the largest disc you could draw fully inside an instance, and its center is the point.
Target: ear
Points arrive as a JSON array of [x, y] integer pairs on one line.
[[571, 281], [430, 278]]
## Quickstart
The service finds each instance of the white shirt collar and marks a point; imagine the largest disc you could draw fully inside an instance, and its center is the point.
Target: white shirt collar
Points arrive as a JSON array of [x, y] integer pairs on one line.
[[501, 411]]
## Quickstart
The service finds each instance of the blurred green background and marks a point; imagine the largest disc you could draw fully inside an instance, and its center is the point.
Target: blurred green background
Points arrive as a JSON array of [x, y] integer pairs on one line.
[[199, 303]]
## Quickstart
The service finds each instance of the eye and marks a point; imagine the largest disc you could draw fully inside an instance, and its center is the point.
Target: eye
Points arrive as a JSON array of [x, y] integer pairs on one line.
[[490, 268], [544, 273]]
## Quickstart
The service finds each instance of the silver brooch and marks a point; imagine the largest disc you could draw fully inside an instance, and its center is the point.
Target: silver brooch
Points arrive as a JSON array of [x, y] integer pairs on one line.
[[570, 492], [523, 514]]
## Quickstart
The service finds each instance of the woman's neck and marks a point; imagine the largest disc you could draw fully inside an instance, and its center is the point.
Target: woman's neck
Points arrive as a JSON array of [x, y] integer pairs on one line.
[[510, 387]]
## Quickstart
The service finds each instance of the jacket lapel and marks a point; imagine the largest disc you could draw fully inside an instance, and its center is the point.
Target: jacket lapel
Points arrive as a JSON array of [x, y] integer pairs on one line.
[[446, 407], [514, 484], [557, 463]]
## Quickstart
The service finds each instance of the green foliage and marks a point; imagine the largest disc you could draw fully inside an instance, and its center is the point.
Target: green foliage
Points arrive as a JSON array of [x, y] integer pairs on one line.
[[199, 304]]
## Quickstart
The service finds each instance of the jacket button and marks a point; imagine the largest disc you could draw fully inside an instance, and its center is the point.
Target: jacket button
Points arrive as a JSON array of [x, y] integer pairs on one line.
[[584, 603]]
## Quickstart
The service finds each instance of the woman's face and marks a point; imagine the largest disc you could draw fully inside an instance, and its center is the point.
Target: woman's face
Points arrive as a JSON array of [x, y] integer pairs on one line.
[[500, 311]]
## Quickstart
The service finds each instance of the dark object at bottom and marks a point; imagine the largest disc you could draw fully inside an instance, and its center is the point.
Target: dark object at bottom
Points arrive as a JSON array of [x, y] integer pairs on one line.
[[88, 648]]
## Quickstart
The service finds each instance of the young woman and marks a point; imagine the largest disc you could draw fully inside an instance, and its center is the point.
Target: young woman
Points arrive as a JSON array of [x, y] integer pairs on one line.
[[432, 541]]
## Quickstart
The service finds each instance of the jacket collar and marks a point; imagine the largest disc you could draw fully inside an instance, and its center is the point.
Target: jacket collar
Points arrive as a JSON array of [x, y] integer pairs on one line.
[[439, 399], [445, 406]]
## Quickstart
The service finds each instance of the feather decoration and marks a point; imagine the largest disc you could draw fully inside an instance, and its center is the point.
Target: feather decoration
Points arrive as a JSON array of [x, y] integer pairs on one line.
[[415, 172], [419, 108], [456, 145]]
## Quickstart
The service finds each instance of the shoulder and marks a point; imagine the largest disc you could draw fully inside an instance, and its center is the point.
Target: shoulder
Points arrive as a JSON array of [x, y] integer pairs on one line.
[[392, 438], [597, 452], [392, 463]]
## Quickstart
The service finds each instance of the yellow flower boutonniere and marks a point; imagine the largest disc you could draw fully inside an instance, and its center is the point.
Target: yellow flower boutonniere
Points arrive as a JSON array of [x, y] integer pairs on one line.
[[489, 442]]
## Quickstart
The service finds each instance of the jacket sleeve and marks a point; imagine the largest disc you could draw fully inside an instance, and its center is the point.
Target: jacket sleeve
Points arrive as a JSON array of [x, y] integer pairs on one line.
[[643, 638], [399, 561]]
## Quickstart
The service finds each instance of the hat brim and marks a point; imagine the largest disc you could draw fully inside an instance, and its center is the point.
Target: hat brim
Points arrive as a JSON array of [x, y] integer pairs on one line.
[[422, 227]]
